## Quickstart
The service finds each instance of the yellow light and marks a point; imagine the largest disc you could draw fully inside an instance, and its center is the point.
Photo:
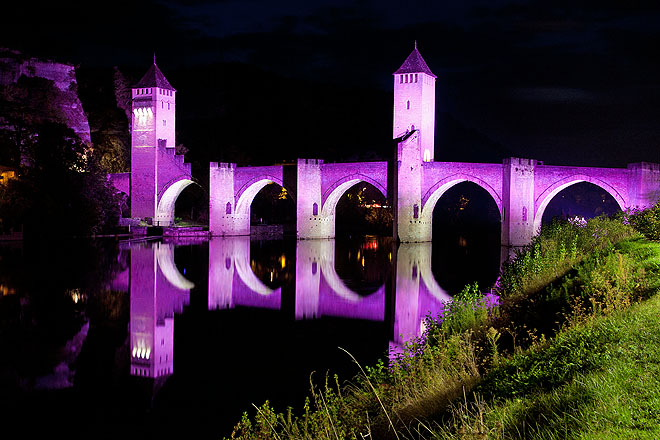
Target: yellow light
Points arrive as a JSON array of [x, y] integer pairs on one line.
[[283, 261], [362, 261]]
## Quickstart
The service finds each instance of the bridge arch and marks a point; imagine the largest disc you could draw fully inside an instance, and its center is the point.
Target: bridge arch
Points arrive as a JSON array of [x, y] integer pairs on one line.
[[167, 198], [165, 258], [542, 201], [435, 192], [331, 196], [246, 194]]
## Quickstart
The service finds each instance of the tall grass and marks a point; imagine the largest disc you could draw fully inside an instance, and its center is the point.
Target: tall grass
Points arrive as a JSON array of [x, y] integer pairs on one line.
[[514, 370]]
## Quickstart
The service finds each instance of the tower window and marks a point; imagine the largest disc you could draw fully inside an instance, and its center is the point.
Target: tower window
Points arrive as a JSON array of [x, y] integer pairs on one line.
[[415, 211], [315, 209], [164, 122], [408, 105], [168, 105], [228, 208], [400, 79], [406, 78], [415, 77]]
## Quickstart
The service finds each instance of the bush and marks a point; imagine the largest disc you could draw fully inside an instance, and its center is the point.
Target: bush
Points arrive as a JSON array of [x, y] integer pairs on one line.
[[646, 221]]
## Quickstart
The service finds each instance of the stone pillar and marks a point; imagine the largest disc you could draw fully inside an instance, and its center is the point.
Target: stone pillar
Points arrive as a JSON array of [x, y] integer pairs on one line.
[[409, 223], [311, 223], [223, 219], [643, 184], [518, 201]]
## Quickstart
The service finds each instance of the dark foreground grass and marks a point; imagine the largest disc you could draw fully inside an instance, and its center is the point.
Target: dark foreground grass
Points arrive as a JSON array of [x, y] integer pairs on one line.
[[571, 352]]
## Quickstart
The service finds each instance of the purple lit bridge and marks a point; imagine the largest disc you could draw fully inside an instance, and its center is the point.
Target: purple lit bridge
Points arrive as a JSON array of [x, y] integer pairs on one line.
[[413, 181], [521, 189]]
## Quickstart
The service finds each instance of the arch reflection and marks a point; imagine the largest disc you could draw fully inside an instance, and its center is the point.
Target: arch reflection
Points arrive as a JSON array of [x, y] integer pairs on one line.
[[158, 291]]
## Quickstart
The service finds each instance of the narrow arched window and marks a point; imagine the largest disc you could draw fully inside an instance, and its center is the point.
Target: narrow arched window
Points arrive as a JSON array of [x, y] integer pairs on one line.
[[315, 209], [415, 211], [427, 156], [415, 77], [524, 214], [314, 268], [408, 105], [228, 208]]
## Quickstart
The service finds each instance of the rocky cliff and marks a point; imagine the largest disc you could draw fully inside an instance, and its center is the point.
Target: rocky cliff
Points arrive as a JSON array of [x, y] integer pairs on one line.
[[63, 102]]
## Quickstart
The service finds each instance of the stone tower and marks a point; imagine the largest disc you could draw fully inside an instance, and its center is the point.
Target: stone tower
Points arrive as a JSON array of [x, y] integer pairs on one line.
[[153, 124], [414, 102]]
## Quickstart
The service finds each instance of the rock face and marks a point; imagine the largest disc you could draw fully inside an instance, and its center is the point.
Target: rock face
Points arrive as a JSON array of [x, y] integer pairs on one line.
[[14, 65]]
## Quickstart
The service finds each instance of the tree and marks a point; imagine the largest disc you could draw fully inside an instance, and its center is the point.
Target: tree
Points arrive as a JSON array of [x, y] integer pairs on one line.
[[61, 188]]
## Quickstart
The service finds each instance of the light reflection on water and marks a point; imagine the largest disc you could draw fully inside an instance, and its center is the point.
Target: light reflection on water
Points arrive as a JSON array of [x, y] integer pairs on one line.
[[227, 307]]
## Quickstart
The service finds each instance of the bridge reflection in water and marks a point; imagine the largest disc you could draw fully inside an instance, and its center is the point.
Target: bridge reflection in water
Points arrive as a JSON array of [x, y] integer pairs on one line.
[[158, 291]]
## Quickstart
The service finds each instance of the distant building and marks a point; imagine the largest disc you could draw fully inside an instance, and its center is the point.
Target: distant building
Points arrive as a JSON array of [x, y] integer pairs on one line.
[[6, 173]]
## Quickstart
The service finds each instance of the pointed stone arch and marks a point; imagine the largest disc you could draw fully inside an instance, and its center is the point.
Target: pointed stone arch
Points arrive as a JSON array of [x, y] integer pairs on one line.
[[433, 194], [542, 200]]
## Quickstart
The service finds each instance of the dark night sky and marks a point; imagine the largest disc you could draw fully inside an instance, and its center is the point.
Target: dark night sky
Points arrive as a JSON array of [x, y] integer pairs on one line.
[[567, 82]]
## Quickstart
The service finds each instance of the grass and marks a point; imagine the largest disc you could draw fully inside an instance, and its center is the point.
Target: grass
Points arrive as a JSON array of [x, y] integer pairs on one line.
[[572, 351], [606, 386]]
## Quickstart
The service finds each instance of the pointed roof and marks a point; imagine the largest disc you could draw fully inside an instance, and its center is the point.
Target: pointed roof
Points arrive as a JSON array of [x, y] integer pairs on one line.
[[415, 64], [154, 78]]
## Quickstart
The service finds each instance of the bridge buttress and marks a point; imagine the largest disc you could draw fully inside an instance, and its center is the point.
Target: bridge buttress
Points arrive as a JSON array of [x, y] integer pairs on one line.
[[518, 201], [311, 222], [643, 184], [223, 219]]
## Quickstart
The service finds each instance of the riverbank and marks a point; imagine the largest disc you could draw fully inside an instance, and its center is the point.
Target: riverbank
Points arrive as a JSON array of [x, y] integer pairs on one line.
[[570, 352]]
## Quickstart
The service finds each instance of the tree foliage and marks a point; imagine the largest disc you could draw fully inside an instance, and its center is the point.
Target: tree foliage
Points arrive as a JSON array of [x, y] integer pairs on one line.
[[61, 188]]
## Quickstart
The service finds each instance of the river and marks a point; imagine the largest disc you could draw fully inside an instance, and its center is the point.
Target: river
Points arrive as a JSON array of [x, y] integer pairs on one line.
[[146, 338]]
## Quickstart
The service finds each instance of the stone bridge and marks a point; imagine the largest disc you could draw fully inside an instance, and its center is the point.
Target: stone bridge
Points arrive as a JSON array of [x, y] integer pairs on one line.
[[521, 189], [412, 180], [315, 187]]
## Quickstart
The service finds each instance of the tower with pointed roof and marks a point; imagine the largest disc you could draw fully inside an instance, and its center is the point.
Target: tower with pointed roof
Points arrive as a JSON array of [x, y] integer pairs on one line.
[[153, 127], [414, 102]]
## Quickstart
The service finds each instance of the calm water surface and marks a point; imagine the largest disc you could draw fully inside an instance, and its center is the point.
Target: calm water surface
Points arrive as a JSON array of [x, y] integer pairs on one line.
[[151, 337]]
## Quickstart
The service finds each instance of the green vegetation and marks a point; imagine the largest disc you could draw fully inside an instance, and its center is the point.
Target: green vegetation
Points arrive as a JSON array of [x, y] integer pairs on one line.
[[570, 352], [60, 190]]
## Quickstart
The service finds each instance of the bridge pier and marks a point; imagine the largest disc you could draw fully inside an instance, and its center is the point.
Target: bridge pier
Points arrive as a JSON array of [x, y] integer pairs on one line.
[[643, 184], [410, 225], [313, 221], [518, 201], [224, 218]]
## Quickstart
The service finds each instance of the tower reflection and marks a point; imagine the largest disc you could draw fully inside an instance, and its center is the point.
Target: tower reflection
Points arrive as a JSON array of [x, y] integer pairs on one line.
[[158, 291]]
